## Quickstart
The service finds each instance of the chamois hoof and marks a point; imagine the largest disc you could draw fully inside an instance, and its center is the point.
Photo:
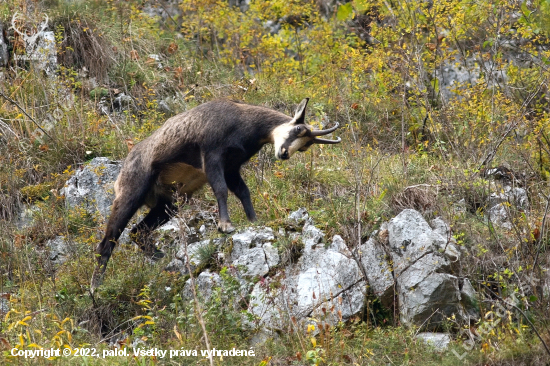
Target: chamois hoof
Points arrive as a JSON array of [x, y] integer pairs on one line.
[[226, 227], [97, 280]]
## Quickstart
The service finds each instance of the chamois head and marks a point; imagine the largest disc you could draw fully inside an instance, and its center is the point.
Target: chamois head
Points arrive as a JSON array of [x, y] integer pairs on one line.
[[296, 135]]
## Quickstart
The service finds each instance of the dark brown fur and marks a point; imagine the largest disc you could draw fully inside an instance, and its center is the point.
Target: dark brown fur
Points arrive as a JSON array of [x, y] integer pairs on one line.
[[207, 144]]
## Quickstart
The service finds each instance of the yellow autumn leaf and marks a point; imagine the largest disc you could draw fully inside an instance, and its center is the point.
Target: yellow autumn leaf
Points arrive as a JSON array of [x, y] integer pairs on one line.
[[178, 335]]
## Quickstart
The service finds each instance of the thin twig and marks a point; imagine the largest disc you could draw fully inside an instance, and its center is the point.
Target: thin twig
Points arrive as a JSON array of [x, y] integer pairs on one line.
[[526, 318], [493, 152], [26, 114], [543, 226], [167, 13], [198, 309], [421, 185], [112, 333], [424, 322]]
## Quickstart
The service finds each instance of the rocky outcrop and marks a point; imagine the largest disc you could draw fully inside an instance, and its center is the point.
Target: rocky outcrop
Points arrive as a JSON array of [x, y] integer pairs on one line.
[[422, 265], [375, 261], [325, 284], [406, 259], [92, 187], [407, 263], [414, 265], [195, 253], [502, 203]]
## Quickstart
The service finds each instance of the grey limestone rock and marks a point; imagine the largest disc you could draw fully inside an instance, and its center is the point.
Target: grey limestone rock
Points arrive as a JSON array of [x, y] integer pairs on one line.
[[501, 203], [299, 216], [379, 273], [439, 341], [250, 238], [325, 284], [205, 283], [93, 186], [58, 249], [195, 252], [428, 291], [3, 47]]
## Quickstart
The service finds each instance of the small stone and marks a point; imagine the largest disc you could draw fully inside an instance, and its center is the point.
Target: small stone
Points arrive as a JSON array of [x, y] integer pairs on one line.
[[299, 216], [205, 284], [59, 249], [440, 341]]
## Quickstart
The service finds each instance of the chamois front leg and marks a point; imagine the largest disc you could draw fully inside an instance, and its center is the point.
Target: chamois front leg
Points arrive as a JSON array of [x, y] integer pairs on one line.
[[216, 179], [127, 202], [237, 185], [121, 214]]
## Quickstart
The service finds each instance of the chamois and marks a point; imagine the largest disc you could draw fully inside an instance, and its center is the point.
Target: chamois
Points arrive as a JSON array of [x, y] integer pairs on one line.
[[207, 144]]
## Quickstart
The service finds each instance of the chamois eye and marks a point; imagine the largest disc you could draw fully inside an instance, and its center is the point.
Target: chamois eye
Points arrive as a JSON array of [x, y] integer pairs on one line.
[[298, 128]]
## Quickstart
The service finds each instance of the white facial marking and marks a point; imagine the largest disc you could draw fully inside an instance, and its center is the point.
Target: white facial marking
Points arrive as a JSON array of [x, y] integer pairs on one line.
[[280, 135]]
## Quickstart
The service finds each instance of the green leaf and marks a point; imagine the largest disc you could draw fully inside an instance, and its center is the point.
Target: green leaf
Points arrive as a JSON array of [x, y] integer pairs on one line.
[[435, 84], [344, 12], [524, 8], [533, 298], [361, 5]]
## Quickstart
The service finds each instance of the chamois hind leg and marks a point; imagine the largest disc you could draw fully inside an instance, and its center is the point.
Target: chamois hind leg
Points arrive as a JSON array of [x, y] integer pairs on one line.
[[124, 207], [157, 216], [237, 185]]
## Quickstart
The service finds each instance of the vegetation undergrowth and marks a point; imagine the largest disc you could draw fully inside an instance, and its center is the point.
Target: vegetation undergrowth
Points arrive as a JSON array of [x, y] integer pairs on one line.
[[410, 140]]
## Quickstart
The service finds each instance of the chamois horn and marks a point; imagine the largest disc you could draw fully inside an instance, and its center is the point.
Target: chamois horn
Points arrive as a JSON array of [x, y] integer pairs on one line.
[[325, 141], [325, 132]]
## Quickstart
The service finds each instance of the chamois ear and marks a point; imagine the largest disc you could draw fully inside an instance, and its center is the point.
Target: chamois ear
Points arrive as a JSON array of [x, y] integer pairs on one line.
[[300, 115]]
